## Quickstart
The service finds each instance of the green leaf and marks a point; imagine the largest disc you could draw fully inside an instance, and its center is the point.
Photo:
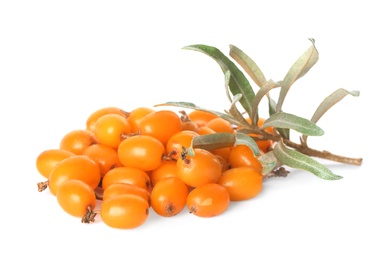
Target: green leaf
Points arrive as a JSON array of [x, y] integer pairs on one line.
[[330, 101], [259, 96], [304, 63], [268, 161], [297, 160], [243, 139], [214, 141], [238, 83], [248, 65], [299, 124], [190, 105], [234, 112]]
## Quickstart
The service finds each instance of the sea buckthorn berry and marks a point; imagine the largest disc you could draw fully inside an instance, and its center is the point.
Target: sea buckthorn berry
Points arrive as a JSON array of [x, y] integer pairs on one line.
[[91, 120], [200, 117], [177, 141], [208, 200], [141, 151], [47, 159], [242, 183], [125, 188], [79, 167], [76, 141], [186, 122], [76, 197], [204, 130], [110, 129], [167, 168], [129, 175], [136, 116], [225, 163], [106, 157], [223, 152], [160, 124], [169, 196], [125, 211], [242, 155], [220, 125], [204, 167]]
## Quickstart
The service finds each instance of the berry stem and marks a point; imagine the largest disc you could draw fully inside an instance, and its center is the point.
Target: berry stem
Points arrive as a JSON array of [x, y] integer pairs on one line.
[[42, 185]]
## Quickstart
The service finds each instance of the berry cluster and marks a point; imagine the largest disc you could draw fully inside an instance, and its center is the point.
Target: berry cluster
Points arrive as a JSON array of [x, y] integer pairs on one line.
[[124, 164]]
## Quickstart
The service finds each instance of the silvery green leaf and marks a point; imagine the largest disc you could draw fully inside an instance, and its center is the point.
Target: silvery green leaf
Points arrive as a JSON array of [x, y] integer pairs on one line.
[[298, 160], [299, 124]]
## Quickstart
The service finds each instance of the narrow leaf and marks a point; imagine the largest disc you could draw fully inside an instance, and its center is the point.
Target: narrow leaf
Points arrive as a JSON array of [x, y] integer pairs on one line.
[[248, 65], [238, 83], [298, 160], [227, 82], [213, 141], [304, 63], [259, 96], [235, 113], [247, 140], [268, 161], [299, 124], [330, 101]]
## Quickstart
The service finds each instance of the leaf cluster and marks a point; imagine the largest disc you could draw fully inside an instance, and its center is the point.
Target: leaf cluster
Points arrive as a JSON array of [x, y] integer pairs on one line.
[[245, 100]]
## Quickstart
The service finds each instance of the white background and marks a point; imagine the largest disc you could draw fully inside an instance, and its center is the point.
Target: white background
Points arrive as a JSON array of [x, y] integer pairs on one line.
[[61, 60]]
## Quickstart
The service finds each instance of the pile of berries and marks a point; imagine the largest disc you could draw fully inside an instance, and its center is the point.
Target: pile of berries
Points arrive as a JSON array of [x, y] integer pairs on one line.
[[123, 164]]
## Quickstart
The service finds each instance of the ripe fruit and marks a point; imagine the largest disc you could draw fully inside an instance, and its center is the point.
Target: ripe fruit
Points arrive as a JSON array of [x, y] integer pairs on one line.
[[178, 141], [125, 188], [47, 159], [141, 151], [220, 125], [242, 183], [110, 130], [208, 200], [136, 116], [160, 125], [129, 175], [125, 211], [77, 140], [76, 197], [79, 167], [242, 155], [204, 167], [167, 168], [169, 196], [91, 120], [200, 117], [106, 157]]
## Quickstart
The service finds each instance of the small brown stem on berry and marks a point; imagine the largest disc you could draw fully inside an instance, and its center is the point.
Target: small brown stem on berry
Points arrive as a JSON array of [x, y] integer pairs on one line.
[[89, 215], [42, 185]]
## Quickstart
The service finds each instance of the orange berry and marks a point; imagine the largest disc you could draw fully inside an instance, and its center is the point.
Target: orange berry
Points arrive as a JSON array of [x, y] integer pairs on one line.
[[242, 183], [110, 129], [136, 116], [208, 200], [204, 167], [141, 151], [200, 117], [242, 155], [160, 125], [79, 167], [177, 141], [105, 156], [220, 125], [75, 197], [115, 189], [129, 175], [47, 159], [76, 141], [169, 196], [167, 168], [91, 120], [125, 211]]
